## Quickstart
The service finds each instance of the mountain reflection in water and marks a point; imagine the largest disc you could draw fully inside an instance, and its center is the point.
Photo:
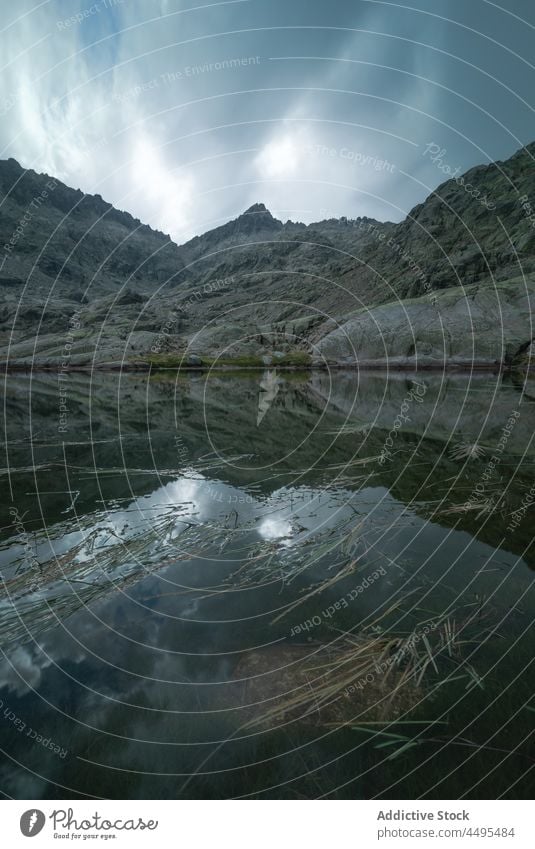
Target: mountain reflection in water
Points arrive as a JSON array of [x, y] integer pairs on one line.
[[222, 586]]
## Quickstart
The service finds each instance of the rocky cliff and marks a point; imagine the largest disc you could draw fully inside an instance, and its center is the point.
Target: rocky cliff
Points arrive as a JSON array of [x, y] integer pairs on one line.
[[85, 284]]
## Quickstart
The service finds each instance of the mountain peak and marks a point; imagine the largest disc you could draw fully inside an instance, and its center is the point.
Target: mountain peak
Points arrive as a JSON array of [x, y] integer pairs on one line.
[[258, 209], [258, 217]]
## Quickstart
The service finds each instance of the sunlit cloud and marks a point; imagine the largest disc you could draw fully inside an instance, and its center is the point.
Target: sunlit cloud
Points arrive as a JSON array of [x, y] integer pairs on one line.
[[274, 527], [167, 198], [279, 158]]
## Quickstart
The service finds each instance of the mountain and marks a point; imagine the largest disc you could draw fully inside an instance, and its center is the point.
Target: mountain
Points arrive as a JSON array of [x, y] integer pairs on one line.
[[85, 284]]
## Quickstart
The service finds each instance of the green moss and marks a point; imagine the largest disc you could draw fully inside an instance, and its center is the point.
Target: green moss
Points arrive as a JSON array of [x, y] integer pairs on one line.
[[180, 361], [244, 361], [166, 361], [294, 359], [300, 359]]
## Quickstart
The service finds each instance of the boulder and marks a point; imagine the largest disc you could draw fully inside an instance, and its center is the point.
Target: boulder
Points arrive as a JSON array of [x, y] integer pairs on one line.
[[465, 326]]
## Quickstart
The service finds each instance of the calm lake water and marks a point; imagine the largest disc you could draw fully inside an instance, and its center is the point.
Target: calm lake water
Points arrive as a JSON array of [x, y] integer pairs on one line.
[[192, 567]]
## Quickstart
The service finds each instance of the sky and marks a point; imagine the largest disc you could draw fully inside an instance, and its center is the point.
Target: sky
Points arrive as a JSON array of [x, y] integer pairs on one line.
[[185, 113]]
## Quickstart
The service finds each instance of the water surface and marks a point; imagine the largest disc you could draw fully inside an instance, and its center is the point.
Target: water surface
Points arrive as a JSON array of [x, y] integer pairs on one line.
[[177, 550]]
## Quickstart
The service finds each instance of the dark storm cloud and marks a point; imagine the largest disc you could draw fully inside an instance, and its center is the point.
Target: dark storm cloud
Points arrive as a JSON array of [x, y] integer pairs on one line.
[[185, 116]]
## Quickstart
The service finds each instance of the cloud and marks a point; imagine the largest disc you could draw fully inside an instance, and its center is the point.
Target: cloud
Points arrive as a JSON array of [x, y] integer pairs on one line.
[[167, 199], [280, 157], [23, 670], [186, 116]]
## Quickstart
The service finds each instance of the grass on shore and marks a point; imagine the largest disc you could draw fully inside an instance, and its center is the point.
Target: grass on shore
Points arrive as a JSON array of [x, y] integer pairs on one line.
[[294, 359]]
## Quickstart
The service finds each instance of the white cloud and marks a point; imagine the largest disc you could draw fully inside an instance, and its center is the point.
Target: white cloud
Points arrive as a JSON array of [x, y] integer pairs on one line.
[[279, 157], [166, 199], [89, 103]]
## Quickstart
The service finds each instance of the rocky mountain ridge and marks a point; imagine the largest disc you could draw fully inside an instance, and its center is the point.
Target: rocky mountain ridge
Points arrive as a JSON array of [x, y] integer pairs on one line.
[[258, 290]]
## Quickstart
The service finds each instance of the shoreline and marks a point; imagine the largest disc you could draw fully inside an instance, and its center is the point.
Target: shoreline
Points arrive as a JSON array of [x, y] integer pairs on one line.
[[142, 368]]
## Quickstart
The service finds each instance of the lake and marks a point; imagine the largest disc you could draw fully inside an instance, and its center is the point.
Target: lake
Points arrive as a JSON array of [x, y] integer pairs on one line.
[[267, 585]]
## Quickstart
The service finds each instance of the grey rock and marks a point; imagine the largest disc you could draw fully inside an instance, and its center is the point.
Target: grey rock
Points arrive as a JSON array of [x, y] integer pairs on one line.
[[463, 327], [256, 283]]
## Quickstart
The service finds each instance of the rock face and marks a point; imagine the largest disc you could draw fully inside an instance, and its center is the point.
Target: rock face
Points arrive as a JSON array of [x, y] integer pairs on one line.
[[441, 286], [461, 327]]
